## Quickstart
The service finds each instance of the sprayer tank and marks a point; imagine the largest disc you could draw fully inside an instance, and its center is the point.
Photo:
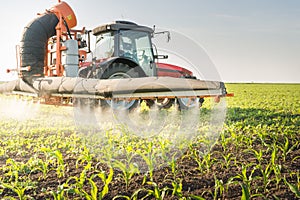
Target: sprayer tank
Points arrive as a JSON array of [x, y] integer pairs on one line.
[[70, 58]]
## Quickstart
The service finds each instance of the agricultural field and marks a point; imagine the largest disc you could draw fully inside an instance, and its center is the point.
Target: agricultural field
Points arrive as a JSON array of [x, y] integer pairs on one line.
[[45, 154]]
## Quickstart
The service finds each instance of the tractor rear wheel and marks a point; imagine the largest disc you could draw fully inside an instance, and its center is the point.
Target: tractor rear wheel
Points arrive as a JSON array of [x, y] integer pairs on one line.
[[117, 71]]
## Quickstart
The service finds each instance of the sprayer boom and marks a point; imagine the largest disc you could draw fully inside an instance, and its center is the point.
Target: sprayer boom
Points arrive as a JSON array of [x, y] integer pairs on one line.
[[63, 90]]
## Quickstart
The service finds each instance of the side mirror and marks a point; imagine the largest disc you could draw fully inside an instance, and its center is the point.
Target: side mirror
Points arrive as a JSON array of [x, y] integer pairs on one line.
[[162, 32]]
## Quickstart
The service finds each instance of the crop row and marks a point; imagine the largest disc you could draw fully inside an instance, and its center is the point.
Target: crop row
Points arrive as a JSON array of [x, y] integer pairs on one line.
[[257, 155]]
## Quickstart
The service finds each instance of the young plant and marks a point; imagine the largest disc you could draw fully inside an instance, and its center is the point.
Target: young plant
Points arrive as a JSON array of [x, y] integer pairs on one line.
[[134, 196], [293, 188], [156, 192], [177, 188], [60, 169], [84, 156], [93, 192], [173, 166], [55, 157], [128, 170], [207, 161], [106, 180], [227, 158], [245, 191], [149, 157], [278, 175], [59, 194], [219, 188], [18, 188], [287, 148], [258, 155], [195, 197], [245, 181], [266, 172]]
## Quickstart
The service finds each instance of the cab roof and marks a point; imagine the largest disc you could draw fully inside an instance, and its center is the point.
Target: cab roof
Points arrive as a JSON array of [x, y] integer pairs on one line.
[[120, 25]]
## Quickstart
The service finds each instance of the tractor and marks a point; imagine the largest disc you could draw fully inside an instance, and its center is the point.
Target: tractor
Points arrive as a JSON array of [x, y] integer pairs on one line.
[[56, 65], [124, 49]]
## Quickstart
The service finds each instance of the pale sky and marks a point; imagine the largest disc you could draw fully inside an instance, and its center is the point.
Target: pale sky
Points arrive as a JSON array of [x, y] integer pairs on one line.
[[247, 40]]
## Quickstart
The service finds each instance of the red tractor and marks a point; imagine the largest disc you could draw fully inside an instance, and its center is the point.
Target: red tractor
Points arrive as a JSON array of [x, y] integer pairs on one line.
[[125, 50]]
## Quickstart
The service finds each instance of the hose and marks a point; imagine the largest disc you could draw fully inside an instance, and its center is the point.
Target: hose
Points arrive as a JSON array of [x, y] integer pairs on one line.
[[33, 45]]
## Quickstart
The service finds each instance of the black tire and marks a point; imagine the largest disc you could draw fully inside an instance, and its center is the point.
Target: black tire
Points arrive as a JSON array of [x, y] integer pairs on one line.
[[189, 103], [120, 70], [164, 103]]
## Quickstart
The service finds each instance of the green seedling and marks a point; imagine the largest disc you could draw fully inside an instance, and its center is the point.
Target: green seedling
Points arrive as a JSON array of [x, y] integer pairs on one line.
[[17, 188], [156, 192], [128, 170], [293, 188], [287, 148], [227, 160], [219, 188], [177, 188], [106, 180], [59, 194], [149, 157]]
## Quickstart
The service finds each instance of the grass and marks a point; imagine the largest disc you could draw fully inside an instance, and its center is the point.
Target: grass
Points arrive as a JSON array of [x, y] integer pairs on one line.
[[256, 154]]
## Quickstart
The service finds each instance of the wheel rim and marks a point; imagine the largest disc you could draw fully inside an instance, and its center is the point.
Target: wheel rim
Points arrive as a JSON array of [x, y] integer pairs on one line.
[[188, 102], [120, 104], [163, 102], [119, 75]]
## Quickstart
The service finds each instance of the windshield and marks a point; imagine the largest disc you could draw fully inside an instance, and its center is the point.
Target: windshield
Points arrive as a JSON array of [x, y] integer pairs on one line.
[[104, 45], [137, 46]]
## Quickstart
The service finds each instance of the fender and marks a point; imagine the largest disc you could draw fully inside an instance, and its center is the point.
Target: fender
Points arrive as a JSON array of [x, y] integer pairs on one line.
[[106, 65], [101, 67]]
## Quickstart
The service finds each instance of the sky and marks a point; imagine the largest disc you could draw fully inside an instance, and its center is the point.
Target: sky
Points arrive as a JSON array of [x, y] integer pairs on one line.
[[247, 40]]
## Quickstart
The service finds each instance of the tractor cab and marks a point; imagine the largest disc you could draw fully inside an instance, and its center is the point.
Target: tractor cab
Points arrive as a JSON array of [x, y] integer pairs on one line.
[[125, 40]]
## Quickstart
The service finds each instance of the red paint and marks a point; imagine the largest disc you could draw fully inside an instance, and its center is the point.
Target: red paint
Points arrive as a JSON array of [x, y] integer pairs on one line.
[[164, 69]]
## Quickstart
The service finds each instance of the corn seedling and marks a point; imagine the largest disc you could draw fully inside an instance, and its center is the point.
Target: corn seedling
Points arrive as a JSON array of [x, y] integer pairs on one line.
[[18, 188], [227, 160], [94, 191], [156, 192], [245, 181], [219, 188], [134, 196], [106, 180], [84, 156], [59, 194], [286, 148], [149, 158], [293, 188], [277, 172], [245, 191], [266, 172], [177, 188], [128, 170]]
